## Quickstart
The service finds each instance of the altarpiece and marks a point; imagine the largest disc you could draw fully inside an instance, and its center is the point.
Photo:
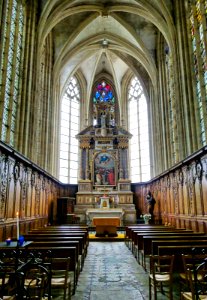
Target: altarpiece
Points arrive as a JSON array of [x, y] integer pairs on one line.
[[104, 184]]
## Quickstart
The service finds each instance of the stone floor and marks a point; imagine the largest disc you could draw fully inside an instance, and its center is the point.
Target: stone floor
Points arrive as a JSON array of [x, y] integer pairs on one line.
[[111, 272]]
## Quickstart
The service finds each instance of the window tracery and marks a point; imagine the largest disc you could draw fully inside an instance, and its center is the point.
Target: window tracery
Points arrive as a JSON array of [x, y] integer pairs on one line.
[[138, 127], [70, 112], [11, 64], [198, 15]]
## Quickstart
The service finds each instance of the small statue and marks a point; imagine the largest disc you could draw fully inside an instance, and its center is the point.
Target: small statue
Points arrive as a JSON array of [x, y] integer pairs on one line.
[[151, 203], [103, 121]]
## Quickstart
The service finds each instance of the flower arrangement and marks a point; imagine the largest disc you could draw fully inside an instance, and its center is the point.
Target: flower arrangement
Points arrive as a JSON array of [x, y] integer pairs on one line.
[[147, 217]]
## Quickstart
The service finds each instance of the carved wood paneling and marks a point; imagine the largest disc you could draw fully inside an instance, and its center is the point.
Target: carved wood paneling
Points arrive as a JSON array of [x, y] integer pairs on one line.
[[26, 189], [180, 194]]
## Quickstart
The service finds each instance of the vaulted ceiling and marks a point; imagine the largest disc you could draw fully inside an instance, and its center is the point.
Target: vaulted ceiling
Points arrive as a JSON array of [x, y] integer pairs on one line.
[[111, 37]]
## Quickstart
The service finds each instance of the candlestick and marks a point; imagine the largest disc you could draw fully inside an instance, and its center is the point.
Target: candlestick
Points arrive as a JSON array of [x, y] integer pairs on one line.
[[17, 226]]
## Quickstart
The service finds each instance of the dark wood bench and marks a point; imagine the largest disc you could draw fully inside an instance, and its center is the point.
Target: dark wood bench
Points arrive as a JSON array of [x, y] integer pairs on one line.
[[147, 242], [138, 228], [73, 243], [137, 236], [57, 231], [180, 249], [139, 240], [62, 228], [53, 236], [201, 241], [58, 238], [64, 233], [129, 229]]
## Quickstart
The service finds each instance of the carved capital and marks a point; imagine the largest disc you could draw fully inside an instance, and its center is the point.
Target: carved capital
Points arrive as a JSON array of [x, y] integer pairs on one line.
[[84, 142], [123, 142]]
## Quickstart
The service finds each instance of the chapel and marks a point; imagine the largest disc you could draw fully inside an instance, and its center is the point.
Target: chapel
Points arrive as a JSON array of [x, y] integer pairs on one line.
[[102, 102], [103, 98]]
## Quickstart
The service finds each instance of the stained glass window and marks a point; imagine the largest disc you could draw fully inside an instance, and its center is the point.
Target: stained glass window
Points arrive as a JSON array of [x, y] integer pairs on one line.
[[171, 102], [198, 15], [138, 127], [11, 60], [70, 112], [103, 93], [103, 104]]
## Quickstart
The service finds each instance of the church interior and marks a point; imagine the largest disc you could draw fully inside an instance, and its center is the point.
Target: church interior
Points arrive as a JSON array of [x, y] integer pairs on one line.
[[103, 127]]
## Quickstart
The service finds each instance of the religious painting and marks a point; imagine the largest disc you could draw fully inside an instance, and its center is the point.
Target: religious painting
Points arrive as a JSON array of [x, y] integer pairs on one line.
[[104, 169]]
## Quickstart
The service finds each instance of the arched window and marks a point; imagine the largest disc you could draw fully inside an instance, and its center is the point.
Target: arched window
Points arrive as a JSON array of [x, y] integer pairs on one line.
[[11, 64], [171, 103], [103, 104], [138, 127], [198, 27], [70, 112]]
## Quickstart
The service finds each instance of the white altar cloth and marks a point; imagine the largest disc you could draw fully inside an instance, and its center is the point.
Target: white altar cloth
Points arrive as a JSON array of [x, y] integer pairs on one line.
[[103, 213]]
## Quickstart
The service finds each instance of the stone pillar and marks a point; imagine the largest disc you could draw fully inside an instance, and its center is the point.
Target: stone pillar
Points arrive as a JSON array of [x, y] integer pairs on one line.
[[87, 167], [80, 164]]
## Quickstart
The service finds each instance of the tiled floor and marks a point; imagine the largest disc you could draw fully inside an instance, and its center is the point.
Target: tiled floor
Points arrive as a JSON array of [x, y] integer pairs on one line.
[[111, 272]]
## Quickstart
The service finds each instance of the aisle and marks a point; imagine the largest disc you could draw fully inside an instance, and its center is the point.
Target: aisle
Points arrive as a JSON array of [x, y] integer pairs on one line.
[[111, 273]]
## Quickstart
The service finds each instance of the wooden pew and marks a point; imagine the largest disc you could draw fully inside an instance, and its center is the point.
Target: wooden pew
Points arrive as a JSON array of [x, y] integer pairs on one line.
[[131, 229], [62, 228], [137, 236], [140, 236], [180, 249], [74, 243], [63, 233], [147, 242], [58, 231], [60, 236], [202, 241]]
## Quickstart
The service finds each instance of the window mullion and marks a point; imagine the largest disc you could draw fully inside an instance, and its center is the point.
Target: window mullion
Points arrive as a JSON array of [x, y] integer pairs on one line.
[[137, 112], [71, 96]]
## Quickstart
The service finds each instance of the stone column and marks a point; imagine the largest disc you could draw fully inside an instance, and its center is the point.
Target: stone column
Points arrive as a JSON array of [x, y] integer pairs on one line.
[[80, 164], [87, 167]]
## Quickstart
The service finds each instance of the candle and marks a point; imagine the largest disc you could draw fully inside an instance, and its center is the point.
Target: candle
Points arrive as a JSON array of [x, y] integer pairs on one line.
[[17, 225], [8, 241]]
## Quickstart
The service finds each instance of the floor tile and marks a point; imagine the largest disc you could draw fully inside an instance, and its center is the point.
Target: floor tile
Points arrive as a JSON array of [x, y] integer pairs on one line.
[[111, 272]]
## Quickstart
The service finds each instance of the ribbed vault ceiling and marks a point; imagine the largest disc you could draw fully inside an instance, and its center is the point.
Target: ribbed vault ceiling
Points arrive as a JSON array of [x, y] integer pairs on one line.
[[111, 37]]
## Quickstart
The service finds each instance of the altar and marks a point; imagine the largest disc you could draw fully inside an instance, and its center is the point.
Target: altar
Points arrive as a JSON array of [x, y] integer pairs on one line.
[[92, 213], [106, 226]]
